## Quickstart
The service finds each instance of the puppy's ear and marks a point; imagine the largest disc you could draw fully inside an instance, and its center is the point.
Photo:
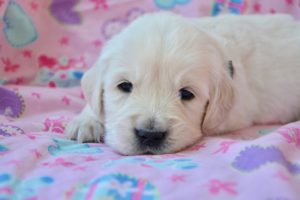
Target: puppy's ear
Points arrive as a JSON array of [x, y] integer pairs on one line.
[[92, 86], [93, 80], [221, 97]]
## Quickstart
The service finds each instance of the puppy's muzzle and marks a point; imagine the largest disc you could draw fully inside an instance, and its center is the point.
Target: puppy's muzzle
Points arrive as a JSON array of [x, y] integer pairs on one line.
[[152, 138]]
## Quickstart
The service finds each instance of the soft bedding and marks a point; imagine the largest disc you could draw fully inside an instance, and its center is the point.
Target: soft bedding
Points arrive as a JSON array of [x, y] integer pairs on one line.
[[40, 71]]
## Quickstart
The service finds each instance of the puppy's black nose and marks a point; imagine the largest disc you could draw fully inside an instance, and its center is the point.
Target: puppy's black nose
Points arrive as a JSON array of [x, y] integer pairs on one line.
[[150, 137]]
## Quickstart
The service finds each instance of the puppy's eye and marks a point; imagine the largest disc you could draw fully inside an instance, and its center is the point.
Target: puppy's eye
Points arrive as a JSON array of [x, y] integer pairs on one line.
[[125, 87], [186, 95]]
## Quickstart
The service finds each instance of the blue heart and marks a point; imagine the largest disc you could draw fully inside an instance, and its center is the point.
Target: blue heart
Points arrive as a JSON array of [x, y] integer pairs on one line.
[[19, 29], [78, 74], [5, 177], [3, 148]]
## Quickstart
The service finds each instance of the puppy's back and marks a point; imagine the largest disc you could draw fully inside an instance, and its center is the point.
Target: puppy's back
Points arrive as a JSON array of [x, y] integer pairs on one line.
[[267, 48]]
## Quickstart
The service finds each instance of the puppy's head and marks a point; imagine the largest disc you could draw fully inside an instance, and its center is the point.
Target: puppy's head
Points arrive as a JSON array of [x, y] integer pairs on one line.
[[159, 86]]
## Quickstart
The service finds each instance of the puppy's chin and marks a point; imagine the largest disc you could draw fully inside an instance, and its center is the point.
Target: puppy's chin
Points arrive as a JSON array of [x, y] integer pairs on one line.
[[148, 151], [129, 148], [137, 150]]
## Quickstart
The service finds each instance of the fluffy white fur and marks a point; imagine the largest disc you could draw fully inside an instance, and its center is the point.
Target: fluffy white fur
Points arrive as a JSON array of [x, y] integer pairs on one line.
[[162, 53]]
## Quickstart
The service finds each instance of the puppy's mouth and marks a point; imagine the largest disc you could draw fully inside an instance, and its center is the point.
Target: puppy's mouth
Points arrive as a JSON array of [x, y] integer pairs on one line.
[[153, 150]]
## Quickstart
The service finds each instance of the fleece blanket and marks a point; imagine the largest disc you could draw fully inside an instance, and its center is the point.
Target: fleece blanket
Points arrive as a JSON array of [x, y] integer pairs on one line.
[[45, 47]]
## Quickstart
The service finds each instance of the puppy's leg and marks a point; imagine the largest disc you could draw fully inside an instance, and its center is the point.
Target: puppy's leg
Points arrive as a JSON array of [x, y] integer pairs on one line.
[[85, 127]]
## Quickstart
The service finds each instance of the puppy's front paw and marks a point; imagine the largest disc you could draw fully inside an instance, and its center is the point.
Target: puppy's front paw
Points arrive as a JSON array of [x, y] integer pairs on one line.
[[85, 129]]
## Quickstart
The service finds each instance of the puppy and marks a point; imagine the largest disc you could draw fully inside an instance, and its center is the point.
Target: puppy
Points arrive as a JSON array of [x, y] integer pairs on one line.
[[165, 81]]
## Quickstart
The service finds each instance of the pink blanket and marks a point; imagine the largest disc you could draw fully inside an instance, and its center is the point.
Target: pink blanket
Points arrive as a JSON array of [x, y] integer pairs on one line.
[[44, 50]]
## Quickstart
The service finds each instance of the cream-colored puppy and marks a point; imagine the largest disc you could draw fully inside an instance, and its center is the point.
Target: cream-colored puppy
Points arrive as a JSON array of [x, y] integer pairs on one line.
[[165, 81]]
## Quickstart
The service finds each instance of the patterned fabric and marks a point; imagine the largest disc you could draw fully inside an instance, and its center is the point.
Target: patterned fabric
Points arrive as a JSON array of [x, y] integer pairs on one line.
[[51, 43], [37, 162]]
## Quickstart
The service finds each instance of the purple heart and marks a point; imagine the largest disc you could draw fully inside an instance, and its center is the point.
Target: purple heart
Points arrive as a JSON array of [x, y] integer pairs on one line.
[[11, 103], [256, 156], [63, 11]]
